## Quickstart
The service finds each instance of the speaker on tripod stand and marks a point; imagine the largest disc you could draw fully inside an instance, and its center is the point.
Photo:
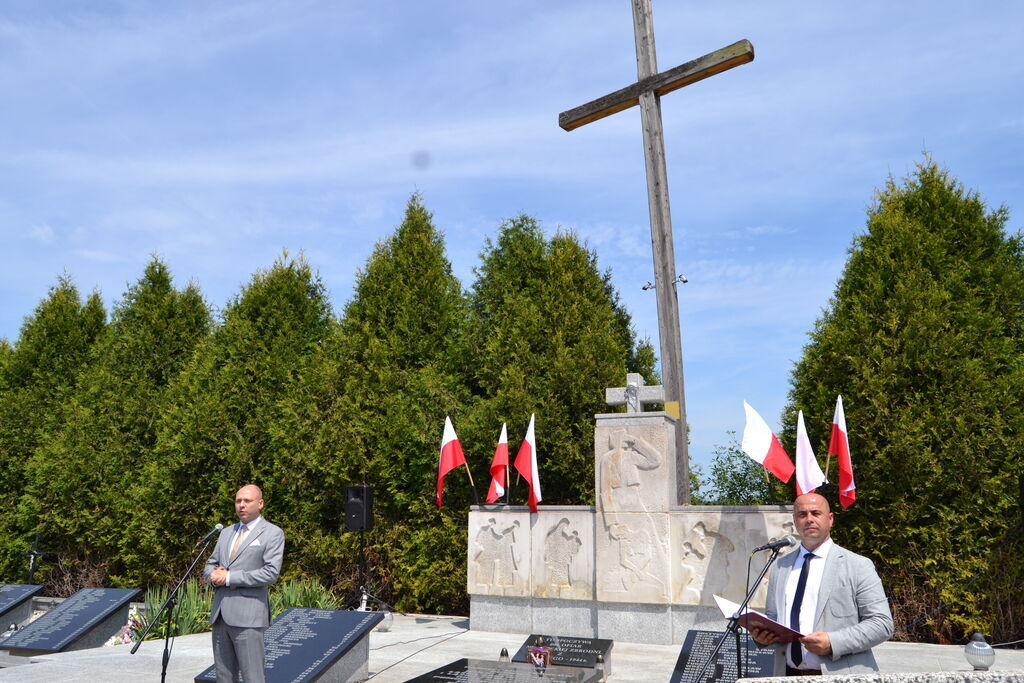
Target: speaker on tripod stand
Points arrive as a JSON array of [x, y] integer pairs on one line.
[[358, 508], [359, 517]]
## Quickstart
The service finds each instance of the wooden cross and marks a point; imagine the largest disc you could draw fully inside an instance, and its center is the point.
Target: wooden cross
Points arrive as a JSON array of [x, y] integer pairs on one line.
[[647, 92], [635, 395]]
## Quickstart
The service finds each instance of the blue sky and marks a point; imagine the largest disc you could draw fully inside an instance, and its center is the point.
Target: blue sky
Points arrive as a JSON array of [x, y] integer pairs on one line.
[[216, 134]]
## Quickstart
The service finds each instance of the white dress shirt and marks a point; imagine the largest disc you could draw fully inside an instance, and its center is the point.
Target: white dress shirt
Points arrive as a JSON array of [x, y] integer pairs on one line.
[[809, 606]]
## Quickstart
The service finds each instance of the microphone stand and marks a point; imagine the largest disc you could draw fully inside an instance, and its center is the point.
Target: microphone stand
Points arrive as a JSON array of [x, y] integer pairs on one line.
[[734, 623], [367, 596], [169, 605]]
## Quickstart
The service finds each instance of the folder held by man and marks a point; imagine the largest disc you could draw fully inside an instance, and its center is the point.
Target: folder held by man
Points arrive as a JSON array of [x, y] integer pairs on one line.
[[752, 618]]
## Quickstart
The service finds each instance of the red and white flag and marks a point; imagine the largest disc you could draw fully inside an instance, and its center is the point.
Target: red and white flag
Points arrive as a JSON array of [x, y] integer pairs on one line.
[[451, 456], [498, 465], [526, 465], [839, 445], [763, 446], [808, 474]]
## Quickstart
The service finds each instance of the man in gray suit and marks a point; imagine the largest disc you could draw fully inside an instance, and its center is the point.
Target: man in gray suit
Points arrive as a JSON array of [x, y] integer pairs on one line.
[[828, 592], [246, 560]]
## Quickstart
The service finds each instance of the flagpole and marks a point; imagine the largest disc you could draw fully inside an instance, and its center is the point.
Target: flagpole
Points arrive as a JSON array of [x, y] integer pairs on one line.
[[469, 474], [828, 461]]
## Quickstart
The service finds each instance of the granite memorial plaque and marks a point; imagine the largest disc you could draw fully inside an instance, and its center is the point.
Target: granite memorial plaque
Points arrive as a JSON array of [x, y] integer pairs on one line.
[[570, 651], [484, 670], [303, 644], [699, 645], [16, 603], [86, 619]]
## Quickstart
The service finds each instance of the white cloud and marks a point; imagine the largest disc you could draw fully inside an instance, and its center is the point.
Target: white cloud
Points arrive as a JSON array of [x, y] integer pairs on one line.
[[43, 234], [759, 230], [100, 256]]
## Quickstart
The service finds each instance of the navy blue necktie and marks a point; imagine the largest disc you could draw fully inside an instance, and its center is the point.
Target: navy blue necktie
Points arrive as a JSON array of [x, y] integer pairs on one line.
[[794, 612]]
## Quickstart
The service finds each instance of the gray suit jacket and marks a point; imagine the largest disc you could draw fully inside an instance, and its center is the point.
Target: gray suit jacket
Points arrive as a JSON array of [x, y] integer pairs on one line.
[[256, 565], [852, 609]]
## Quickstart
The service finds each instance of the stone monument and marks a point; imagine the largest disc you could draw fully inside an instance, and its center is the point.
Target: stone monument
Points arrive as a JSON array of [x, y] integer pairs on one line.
[[635, 567]]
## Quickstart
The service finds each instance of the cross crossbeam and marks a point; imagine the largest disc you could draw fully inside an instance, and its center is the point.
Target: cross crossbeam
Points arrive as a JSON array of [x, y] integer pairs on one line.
[[635, 395], [739, 53]]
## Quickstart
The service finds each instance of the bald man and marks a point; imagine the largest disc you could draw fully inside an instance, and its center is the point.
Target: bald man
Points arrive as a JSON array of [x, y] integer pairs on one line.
[[246, 560], [838, 600]]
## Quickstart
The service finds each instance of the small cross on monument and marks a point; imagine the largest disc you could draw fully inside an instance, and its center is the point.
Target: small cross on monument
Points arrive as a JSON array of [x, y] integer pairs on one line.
[[635, 395], [647, 92]]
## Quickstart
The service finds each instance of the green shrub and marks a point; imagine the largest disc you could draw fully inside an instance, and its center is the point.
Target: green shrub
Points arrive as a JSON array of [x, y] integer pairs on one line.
[[301, 593], [192, 615]]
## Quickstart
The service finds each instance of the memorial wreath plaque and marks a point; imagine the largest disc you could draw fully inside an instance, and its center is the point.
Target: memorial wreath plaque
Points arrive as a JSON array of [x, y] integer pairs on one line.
[[570, 651]]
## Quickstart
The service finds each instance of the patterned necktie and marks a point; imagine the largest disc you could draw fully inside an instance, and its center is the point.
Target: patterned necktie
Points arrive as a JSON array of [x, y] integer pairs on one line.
[[794, 612], [240, 536]]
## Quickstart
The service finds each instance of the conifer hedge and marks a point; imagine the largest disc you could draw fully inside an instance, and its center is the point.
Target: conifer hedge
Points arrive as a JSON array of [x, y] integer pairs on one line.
[[122, 443], [924, 339]]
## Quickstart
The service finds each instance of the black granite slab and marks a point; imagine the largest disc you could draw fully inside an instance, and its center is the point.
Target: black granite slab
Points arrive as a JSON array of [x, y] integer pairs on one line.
[[570, 650], [487, 671], [303, 643], [75, 620], [13, 596], [699, 645]]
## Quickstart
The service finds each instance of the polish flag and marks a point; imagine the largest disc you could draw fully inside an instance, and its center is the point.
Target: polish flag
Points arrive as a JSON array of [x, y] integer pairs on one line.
[[451, 456], [498, 465], [763, 446], [526, 464], [839, 445], [808, 474]]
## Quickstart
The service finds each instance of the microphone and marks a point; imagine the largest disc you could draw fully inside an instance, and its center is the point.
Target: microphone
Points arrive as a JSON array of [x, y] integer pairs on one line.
[[205, 538], [775, 545]]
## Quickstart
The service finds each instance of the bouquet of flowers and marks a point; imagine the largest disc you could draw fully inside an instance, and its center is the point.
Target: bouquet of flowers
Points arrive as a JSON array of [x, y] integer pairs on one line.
[[124, 636]]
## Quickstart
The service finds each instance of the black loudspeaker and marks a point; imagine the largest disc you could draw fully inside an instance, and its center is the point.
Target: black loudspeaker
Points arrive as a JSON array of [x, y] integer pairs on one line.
[[358, 508]]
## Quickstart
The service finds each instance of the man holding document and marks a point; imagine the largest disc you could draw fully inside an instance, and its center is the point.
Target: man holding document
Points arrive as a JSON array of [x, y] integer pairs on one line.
[[829, 593]]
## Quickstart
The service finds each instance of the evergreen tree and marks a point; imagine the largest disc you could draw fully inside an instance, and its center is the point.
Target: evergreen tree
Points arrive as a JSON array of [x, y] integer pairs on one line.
[[108, 426], [547, 335], [735, 479], [36, 377], [373, 406], [217, 433], [923, 338]]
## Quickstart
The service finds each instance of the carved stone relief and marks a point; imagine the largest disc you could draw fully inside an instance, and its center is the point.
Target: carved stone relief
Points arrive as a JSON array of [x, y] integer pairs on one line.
[[499, 554], [632, 557], [713, 551], [708, 562], [632, 466], [564, 562], [621, 463]]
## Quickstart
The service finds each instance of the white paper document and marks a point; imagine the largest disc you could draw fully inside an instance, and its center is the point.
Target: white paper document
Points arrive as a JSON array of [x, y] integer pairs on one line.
[[752, 618]]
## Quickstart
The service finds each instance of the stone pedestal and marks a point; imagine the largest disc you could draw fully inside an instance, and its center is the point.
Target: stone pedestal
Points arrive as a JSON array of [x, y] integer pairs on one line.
[[559, 571], [634, 567]]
